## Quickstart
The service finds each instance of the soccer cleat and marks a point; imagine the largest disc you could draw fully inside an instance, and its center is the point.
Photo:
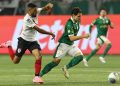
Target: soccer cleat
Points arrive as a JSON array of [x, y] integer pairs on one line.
[[1, 46], [85, 62], [102, 59], [66, 73], [38, 80], [6, 44]]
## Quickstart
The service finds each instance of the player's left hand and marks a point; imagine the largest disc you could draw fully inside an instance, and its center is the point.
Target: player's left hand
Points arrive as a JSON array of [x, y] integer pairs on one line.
[[49, 6], [53, 36]]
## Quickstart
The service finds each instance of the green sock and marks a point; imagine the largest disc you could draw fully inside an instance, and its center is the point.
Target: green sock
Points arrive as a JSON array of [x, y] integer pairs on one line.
[[91, 54], [74, 61], [106, 50], [48, 67]]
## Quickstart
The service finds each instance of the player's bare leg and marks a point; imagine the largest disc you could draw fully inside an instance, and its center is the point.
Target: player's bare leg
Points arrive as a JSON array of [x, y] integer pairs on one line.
[[37, 54], [8, 45], [50, 66], [14, 58]]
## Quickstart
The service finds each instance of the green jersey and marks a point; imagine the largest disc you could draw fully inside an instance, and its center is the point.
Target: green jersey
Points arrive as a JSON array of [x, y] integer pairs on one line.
[[102, 25], [71, 28]]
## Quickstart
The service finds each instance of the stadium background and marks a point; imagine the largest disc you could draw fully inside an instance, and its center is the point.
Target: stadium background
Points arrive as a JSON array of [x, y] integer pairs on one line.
[[12, 25], [11, 16]]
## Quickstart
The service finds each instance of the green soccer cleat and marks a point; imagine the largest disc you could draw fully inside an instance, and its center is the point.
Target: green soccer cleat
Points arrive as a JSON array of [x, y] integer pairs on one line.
[[66, 73]]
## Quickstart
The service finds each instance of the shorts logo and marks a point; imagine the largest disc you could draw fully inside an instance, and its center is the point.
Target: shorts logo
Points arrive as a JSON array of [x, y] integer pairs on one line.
[[19, 50]]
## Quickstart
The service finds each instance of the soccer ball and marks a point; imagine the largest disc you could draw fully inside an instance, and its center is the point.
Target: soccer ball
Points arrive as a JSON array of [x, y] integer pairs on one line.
[[113, 77]]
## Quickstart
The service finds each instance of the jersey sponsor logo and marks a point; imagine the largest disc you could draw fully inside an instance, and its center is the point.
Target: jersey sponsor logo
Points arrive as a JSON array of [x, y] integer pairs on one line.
[[107, 21], [29, 21]]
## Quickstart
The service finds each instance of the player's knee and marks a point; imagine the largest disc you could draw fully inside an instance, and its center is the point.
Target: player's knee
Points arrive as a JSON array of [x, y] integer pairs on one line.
[[57, 60], [38, 57], [98, 47], [109, 45]]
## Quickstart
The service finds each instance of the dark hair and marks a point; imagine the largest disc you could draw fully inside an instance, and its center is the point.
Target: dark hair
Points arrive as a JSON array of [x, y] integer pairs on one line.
[[31, 5], [103, 9], [76, 10]]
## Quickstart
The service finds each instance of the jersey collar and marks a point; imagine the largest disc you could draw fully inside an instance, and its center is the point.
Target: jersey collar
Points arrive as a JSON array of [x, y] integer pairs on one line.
[[73, 20], [102, 17]]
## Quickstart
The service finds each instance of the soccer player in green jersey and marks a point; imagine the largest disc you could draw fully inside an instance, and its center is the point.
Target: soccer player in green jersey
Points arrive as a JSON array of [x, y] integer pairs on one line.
[[66, 46], [102, 24]]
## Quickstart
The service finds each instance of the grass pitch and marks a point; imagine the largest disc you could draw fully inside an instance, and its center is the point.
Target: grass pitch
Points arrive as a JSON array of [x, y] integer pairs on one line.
[[22, 74]]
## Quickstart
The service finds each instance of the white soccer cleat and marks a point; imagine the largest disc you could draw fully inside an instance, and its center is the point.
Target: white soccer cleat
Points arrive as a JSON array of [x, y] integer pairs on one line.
[[6, 44], [85, 62], [102, 60], [66, 73]]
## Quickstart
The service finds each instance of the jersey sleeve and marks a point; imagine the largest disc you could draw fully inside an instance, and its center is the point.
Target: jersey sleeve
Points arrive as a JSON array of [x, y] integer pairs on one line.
[[39, 10], [94, 22], [109, 22], [69, 27], [29, 22]]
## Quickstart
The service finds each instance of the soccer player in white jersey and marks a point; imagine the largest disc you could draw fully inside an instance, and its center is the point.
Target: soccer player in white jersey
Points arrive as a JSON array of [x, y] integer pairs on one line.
[[27, 39]]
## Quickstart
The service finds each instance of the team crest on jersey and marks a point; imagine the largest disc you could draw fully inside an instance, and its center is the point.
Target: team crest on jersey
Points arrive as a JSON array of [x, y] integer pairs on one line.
[[106, 21], [68, 31], [19, 50]]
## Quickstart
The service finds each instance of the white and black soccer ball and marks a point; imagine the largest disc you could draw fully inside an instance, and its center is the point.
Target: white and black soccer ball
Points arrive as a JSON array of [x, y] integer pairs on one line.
[[113, 77]]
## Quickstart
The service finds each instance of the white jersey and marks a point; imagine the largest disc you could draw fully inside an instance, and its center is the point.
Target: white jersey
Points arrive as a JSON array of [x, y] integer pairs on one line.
[[28, 33]]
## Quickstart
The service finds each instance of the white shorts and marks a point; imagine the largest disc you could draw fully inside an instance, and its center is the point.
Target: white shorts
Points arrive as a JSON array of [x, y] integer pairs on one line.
[[63, 49], [101, 40]]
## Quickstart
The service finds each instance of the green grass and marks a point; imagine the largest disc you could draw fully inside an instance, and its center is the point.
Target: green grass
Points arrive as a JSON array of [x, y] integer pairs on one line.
[[22, 74]]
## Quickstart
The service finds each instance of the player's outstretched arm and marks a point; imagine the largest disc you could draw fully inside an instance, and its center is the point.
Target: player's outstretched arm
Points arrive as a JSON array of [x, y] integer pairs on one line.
[[43, 31], [74, 38], [90, 28], [92, 24], [48, 6]]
